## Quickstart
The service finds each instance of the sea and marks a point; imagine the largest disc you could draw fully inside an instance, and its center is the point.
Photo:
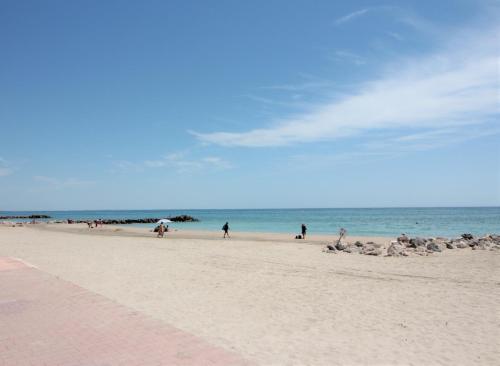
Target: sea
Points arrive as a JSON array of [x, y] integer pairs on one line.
[[428, 221]]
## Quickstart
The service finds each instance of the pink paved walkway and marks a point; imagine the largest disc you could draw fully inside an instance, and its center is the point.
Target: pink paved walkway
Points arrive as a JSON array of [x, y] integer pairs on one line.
[[48, 321]]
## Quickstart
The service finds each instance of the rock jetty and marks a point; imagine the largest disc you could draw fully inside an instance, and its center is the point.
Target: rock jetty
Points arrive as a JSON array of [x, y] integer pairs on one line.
[[25, 217], [405, 246], [148, 220]]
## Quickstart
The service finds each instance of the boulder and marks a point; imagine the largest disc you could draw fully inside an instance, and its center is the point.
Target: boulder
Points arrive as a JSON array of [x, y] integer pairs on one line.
[[340, 245], [373, 252], [467, 236], [473, 242], [417, 242], [330, 249], [461, 244], [370, 248], [483, 244], [449, 245], [495, 239], [396, 249], [358, 244], [403, 239], [352, 248], [433, 247]]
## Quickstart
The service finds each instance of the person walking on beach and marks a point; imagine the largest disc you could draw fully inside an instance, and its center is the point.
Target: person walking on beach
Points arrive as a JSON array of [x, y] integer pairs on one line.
[[304, 230], [225, 228], [161, 230]]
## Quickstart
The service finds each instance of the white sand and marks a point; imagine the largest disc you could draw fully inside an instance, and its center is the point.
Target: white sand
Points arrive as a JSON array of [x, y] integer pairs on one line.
[[285, 301]]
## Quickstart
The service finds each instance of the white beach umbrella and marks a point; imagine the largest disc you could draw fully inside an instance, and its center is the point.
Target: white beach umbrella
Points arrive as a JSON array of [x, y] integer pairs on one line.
[[163, 221]]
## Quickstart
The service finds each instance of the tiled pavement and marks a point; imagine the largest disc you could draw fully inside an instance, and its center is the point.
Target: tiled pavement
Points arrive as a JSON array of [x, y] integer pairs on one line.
[[46, 321]]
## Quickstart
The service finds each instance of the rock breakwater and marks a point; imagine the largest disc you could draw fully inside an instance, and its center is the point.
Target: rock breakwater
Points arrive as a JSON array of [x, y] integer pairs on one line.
[[405, 246], [147, 220], [25, 217]]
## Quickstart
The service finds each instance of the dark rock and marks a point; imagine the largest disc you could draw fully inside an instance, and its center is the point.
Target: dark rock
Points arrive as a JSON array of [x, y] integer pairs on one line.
[[358, 244], [25, 217], [467, 236], [433, 247], [340, 245], [183, 218], [450, 245], [473, 243], [495, 239], [403, 239], [330, 249], [417, 242]]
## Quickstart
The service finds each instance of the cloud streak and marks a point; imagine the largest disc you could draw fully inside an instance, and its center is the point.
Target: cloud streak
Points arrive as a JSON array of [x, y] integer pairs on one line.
[[349, 56], [183, 164], [455, 87], [61, 183], [5, 170], [351, 16]]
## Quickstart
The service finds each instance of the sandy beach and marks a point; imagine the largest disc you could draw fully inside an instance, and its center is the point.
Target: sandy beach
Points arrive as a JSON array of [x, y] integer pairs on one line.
[[278, 301]]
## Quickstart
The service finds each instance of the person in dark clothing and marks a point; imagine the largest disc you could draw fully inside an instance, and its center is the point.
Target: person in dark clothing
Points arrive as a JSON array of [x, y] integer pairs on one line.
[[304, 230], [225, 228]]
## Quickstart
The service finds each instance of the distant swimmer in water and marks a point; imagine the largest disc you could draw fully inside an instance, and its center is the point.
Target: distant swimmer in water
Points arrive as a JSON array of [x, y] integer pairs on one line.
[[225, 228]]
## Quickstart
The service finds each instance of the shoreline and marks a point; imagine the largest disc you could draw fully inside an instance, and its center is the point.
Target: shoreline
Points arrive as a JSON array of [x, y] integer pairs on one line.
[[134, 231]]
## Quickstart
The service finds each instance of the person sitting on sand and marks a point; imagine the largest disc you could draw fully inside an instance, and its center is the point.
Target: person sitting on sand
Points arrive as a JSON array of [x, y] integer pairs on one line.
[[304, 230], [226, 229], [161, 230], [89, 223]]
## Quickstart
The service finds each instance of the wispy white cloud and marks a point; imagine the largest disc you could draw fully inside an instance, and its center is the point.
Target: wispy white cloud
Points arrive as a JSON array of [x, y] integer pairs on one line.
[[294, 103], [5, 169], [349, 56], [391, 147], [454, 87], [182, 163], [429, 139], [125, 166], [351, 16], [217, 162], [62, 183], [395, 35], [362, 12], [304, 86]]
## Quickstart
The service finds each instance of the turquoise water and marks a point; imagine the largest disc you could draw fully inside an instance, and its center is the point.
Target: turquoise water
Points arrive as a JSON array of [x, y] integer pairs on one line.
[[447, 222]]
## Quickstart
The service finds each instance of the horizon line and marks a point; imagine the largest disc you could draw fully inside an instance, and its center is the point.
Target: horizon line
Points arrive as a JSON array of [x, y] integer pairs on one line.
[[247, 209]]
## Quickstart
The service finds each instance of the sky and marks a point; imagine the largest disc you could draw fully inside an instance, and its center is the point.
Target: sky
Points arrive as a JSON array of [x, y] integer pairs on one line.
[[258, 104]]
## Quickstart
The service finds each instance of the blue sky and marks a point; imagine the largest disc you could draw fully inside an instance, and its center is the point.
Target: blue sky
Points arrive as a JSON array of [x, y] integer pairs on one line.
[[226, 104]]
